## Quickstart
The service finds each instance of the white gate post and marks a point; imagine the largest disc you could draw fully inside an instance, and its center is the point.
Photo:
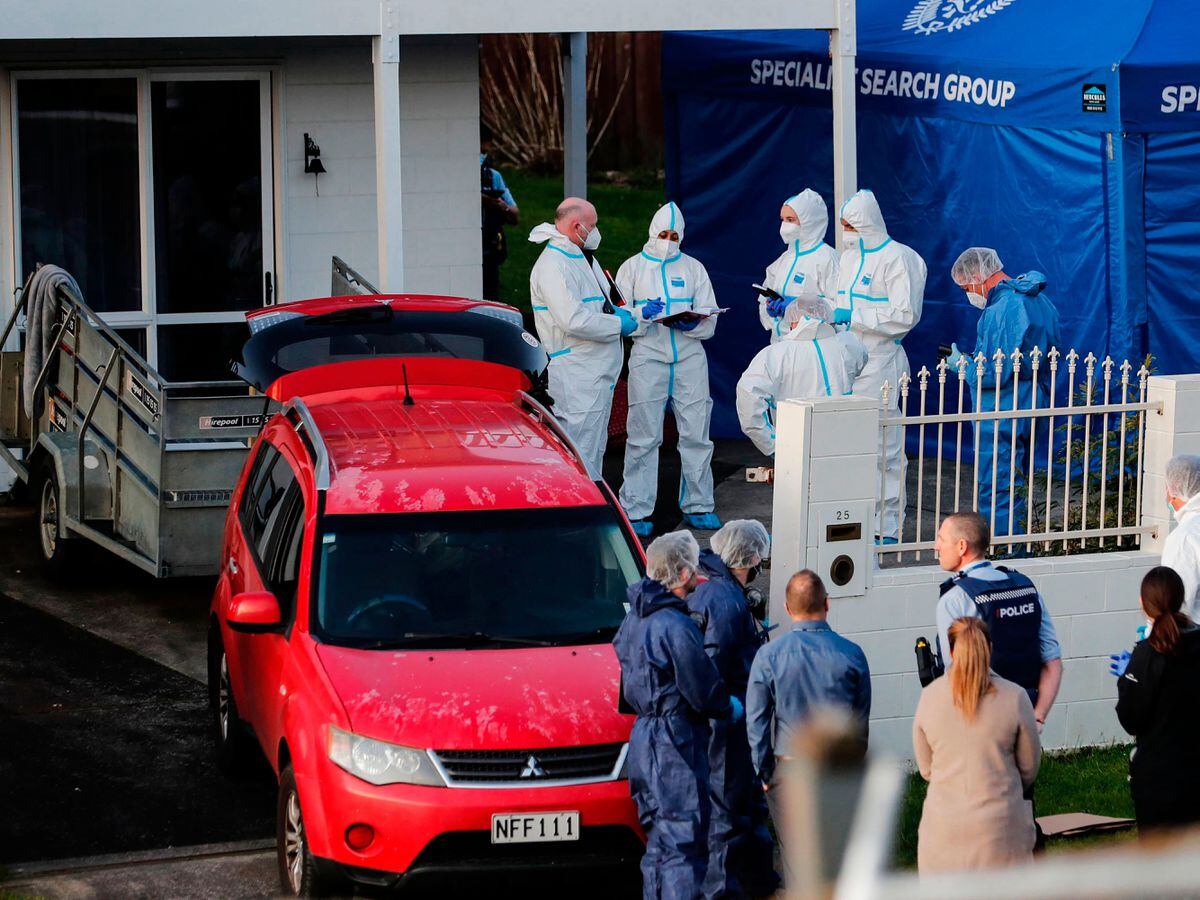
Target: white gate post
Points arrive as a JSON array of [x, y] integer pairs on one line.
[[826, 481], [1173, 431]]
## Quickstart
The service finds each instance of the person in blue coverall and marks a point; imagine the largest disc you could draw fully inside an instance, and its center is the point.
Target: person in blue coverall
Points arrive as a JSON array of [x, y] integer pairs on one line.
[[674, 688], [740, 849], [1016, 313]]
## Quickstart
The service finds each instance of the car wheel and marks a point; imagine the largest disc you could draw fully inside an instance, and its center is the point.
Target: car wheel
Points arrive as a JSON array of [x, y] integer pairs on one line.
[[58, 552], [232, 742], [300, 873]]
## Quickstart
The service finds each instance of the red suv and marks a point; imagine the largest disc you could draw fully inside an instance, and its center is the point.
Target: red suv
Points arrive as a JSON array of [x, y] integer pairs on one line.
[[415, 613]]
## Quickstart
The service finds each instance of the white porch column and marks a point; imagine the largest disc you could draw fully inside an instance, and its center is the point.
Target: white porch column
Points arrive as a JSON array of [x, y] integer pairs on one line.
[[385, 55], [843, 47], [574, 49]]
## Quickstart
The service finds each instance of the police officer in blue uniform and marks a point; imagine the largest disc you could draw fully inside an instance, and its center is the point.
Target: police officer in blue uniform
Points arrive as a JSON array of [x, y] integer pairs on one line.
[[674, 688], [740, 849], [1025, 648]]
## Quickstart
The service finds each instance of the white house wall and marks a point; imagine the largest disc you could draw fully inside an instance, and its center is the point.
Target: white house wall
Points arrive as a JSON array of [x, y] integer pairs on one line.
[[439, 141], [1093, 600], [328, 93]]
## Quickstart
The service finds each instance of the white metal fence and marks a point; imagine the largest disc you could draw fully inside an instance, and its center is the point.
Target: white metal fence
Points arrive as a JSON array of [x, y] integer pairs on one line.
[[1052, 441]]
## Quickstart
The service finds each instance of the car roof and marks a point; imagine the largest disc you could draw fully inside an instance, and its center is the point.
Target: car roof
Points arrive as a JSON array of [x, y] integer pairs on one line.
[[474, 450]]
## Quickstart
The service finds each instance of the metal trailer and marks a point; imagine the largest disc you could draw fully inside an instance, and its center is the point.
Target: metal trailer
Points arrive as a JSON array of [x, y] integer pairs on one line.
[[119, 456]]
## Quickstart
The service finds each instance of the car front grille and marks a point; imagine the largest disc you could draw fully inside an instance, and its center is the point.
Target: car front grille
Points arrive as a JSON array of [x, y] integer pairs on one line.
[[593, 762]]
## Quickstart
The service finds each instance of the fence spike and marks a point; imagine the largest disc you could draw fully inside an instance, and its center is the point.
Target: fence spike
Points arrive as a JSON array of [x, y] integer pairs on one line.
[[1072, 359], [885, 393], [924, 376], [1035, 358], [905, 380], [1016, 358], [1126, 368], [942, 368]]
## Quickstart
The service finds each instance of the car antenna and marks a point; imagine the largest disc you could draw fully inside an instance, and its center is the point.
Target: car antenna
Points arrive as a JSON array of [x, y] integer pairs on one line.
[[408, 400]]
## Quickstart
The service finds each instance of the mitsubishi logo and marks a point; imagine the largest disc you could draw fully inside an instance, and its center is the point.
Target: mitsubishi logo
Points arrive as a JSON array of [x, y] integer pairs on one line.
[[533, 769]]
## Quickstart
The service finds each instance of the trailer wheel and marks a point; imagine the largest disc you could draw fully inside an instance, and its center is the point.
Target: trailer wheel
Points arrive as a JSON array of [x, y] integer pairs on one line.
[[57, 552]]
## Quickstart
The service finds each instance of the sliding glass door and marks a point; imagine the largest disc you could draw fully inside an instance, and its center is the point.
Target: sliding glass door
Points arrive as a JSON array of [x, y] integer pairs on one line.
[[155, 190]]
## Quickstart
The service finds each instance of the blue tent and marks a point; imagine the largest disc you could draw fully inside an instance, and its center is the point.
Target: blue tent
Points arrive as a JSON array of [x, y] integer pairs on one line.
[[1065, 135]]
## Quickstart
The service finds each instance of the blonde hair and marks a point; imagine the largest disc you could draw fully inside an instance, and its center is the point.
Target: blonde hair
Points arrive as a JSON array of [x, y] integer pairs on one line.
[[970, 676]]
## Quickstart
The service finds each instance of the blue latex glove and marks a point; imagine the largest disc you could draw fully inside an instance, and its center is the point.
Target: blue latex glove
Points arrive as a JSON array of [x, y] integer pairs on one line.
[[954, 357], [841, 316], [775, 308], [652, 309], [1120, 662], [628, 322], [685, 324], [737, 712]]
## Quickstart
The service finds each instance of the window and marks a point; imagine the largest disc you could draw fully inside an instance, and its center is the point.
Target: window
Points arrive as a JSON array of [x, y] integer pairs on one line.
[[208, 195], [155, 189], [200, 351], [461, 579], [285, 566], [78, 182], [269, 506]]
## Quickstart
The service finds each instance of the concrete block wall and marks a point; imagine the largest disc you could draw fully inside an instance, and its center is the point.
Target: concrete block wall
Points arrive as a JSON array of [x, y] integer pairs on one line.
[[1093, 600], [328, 92]]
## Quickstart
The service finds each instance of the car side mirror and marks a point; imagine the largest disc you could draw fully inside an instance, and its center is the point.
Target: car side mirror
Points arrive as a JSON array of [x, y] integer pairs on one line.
[[253, 612]]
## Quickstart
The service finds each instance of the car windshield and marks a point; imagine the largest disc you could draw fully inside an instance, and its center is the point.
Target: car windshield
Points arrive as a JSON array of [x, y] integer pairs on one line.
[[473, 579], [379, 331]]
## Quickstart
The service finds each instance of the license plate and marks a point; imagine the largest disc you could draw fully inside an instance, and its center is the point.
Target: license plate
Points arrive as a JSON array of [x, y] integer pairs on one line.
[[530, 828]]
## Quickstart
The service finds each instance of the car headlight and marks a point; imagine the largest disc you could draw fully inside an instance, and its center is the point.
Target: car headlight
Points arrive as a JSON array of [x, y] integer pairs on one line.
[[380, 762]]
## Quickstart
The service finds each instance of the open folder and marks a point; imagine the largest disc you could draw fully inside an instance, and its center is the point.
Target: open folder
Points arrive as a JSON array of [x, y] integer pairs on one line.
[[688, 315]]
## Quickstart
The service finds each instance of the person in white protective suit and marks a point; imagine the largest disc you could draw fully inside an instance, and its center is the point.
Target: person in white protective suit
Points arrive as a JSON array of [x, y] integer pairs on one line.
[[668, 369], [881, 286], [812, 360], [808, 264], [579, 327]]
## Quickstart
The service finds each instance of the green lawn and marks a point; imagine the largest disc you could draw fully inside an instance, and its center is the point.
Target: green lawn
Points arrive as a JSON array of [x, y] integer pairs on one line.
[[1091, 781], [624, 213]]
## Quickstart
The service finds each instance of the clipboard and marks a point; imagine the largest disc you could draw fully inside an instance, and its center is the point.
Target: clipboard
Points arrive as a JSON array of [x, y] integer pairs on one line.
[[688, 315]]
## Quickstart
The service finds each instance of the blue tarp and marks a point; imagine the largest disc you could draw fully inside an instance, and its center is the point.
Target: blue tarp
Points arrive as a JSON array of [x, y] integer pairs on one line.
[[1064, 135]]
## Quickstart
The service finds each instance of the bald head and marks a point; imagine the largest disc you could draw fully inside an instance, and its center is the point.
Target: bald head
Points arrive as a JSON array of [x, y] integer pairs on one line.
[[805, 597], [574, 218]]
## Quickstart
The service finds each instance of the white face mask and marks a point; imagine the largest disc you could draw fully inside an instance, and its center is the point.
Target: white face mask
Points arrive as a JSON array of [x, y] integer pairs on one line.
[[976, 300], [850, 237], [665, 248], [789, 232], [592, 241]]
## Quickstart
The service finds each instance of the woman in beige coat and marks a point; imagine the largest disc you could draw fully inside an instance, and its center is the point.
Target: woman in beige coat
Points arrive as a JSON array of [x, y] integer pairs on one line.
[[976, 743]]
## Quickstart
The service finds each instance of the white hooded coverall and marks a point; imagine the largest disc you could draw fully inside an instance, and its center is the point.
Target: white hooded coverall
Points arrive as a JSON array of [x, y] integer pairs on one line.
[[882, 283], [808, 265], [667, 367], [583, 342], [1181, 552], [812, 360]]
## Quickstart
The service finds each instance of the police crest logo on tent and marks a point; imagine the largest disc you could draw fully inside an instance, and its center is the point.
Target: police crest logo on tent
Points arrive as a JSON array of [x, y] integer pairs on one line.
[[936, 16]]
